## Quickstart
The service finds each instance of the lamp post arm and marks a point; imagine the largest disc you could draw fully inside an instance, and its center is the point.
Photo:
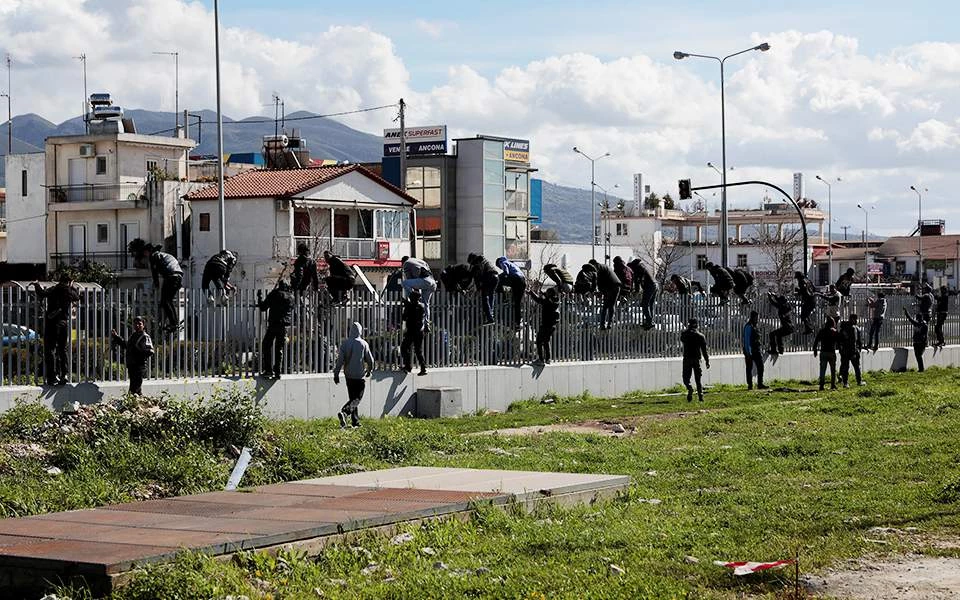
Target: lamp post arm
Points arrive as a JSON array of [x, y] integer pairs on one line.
[[735, 54]]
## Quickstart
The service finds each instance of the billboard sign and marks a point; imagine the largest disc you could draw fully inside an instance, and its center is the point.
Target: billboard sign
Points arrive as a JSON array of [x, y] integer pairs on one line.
[[420, 140], [516, 150], [874, 268], [798, 186]]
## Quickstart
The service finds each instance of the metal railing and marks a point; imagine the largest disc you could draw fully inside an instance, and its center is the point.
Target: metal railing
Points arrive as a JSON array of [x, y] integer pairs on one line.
[[224, 339], [347, 248], [97, 192]]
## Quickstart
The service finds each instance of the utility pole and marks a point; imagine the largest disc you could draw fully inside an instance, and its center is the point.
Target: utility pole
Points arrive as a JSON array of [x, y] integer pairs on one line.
[[844, 228], [402, 117], [221, 204], [176, 90], [86, 121], [9, 111]]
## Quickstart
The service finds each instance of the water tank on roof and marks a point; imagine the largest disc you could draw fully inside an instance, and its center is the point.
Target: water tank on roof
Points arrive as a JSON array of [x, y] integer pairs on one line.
[[100, 99], [107, 112], [275, 141]]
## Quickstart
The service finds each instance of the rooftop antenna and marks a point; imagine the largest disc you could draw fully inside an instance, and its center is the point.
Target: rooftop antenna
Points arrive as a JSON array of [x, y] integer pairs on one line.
[[276, 115], [86, 113], [176, 90]]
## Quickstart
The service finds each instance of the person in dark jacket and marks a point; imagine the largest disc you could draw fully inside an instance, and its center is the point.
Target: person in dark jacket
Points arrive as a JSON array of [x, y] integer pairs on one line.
[[753, 350], [512, 277], [722, 282], [832, 300], [851, 343], [694, 346], [560, 277], [845, 282], [609, 285], [279, 308], [166, 266], [742, 282], [808, 300], [680, 284], [456, 279], [217, 271], [640, 274], [486, 279], [826, 345], [878, 307], [418, 276], [414, 320], [138, 349], [341, 279], [394, 283], [304, 271], [785, 313], [920, 330], [549, 303], [56, 327], [943, 308], [625, 275], [925, 302], [586, 282]]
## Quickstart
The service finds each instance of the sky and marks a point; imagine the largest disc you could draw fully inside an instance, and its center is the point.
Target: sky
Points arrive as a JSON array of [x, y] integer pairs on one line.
[[866, 92]]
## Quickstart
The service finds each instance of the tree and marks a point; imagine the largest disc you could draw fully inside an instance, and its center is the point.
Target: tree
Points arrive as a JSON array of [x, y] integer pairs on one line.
[[662, 257], [652, 201], [783, 255], [549, 254], [668, 202], [87, 272]]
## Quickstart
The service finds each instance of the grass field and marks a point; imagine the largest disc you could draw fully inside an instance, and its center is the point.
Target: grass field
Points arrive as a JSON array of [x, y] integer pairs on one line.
[[752, 476]]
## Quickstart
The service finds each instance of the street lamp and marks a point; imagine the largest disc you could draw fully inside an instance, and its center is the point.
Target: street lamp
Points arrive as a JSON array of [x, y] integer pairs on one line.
[[605, 222], [866, 233], [593, 199], [176, 89], [723, 137], [920, 273], [829, 223]]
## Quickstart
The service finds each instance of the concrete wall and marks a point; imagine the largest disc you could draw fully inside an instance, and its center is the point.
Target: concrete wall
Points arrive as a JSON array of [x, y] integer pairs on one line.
[[483, 388]]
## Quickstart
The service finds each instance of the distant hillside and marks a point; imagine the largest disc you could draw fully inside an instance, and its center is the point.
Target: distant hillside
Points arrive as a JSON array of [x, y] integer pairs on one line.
[[567, 211], [326, 138]]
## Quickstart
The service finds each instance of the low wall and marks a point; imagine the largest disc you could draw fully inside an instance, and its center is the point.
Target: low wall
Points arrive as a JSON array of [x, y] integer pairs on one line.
[[483, 388]]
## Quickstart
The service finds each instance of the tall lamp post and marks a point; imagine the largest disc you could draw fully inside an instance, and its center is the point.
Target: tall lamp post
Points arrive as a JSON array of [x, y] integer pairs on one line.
[[920, 272], [866, 234], [176, 89], [829, 224], [724, 243], [605, 210], [593, 199]]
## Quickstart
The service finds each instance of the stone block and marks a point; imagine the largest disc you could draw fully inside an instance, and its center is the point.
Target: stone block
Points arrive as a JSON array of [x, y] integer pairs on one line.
[[439, 402]]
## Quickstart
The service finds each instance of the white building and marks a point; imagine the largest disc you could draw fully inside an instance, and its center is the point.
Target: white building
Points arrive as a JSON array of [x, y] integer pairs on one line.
[[26, 209], [346, 209]]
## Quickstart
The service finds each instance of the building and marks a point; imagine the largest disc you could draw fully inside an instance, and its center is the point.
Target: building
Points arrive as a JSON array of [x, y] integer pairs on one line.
[[26, 207], [900, 256], [346, 209], [474, 199]]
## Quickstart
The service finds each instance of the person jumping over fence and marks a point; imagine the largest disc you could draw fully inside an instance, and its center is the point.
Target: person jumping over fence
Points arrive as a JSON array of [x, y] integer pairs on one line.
[[722, 282], [920, 330], [845, 282], [487, 280], [943, 307], [549, 303], [167, 266], [832, 300], [742, 282], [850, 339], [217, 271], [648, 300], [456, 279], [279, 308], [341, 279], [138, 349], [356, 360], [586, 280], [878, 306], [808, 300], [56, 327], [560, 277], [414, 321], [925, 302], [511, 276], [640, 274], [753, 350], [304, 271], [785, 313], [694, 346], [625, 275], [826, 345], [418, 276], [609, 285]]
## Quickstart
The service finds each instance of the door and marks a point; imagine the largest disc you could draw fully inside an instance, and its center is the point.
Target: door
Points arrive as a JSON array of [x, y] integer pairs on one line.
[[128, 233], [78, 240], [823, 274], [76, 179]]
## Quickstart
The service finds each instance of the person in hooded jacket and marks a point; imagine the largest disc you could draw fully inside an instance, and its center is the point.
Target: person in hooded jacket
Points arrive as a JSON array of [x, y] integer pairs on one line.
[[722, 282], [279, 308], [304, 271], [166, 266], [341, 279], [217, 271], [413, 325], [456, 279], [356, 361], [640, 274], [742, 282], [511, 276], [694, 346], [549, 303], [56, 327], [808, 300], [487, 280], [609, 286], [586, 280], [560, 277], [845, 282], [648, 298], [138, 349], [624, 274], [832, 300]]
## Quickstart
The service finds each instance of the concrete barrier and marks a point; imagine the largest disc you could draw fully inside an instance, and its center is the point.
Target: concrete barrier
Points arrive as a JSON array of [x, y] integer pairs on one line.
[[483, 388]]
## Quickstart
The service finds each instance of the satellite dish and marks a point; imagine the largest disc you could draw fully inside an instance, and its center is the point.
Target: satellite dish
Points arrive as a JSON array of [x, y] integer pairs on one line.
[[132, 197]]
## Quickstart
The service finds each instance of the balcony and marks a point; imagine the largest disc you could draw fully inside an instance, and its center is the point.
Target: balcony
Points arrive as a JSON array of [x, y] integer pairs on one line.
[[115, 261], [347, 248], [95, 192]]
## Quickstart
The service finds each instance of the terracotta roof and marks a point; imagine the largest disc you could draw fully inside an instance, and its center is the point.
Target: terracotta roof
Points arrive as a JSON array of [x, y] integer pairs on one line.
[[841, 254], [284, 183], [935, 247]]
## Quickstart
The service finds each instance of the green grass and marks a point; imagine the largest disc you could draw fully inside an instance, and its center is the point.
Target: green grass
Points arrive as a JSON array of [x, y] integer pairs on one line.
[[760, 476]]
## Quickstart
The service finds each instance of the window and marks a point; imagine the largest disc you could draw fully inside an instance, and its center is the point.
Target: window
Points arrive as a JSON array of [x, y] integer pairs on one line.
[[103, 233], [621, 228], [204, 221], [101, 165], [152, 167], [23, 182], [301, 223], [341, 226], [423, 183], [701, 262], [516, 186], [395, 224], [742, 261]]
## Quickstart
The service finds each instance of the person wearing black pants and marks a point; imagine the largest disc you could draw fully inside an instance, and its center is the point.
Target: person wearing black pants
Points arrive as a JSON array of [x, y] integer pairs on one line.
[[919, 337], [609, 286], [549, 317], [413, 322], [784, 311], [341, 279], [138, 348], [753, 350], [694, 346], [826, 344], [279, 302], [486, 281], [851, 343], [56, 327], [167, 266], [356, 360], [943, 307], [879, 307], [808, 300], [511, 276]]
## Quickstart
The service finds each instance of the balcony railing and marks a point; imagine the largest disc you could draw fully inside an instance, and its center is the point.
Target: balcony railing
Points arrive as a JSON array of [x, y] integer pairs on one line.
[[95, 192], [115, 261], [352, 248]]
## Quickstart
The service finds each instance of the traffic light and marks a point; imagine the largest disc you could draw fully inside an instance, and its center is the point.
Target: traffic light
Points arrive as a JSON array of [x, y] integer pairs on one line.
[[685, 189]]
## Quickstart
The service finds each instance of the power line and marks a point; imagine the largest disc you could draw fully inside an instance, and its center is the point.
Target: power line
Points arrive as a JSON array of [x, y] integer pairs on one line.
[[304, 118]]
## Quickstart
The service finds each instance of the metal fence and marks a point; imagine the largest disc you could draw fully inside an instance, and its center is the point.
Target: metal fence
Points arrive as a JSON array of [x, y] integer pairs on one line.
[[223, 339]]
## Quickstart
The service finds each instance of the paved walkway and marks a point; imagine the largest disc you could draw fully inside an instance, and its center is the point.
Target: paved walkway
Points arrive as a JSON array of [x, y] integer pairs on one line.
[[101, 543]]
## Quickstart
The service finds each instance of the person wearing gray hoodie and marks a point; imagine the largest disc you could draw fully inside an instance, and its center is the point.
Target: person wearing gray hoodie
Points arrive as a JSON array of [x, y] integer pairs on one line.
[[356, 360]]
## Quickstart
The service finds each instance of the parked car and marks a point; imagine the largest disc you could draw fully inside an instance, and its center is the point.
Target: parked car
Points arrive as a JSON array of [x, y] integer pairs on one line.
[[17, 335]]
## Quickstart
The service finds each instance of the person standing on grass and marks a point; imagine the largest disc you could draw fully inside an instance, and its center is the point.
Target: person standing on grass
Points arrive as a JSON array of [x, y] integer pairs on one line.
[[694, 346], [138, 349], [609, 286], [413, 318], [167, 266], [418, 276], [879, 307], [356, 360], [549, 303], [826, 344], [56, 326], [279, 302], [512, 277], [753, 350], [919, 337], [851, 343], [943, 307], [486, 279]]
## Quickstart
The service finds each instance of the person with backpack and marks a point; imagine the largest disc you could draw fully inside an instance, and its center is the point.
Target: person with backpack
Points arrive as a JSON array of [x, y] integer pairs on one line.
[[278, 305], [138, 349], [60, 299], [356, 361], [722, 282], [586, 282]]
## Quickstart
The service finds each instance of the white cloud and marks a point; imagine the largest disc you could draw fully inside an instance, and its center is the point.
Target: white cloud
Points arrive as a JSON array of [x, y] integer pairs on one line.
[[434, 28]]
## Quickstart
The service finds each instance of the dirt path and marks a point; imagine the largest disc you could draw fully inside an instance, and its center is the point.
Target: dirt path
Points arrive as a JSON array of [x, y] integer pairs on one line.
[[912, 577], [621, 427]]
